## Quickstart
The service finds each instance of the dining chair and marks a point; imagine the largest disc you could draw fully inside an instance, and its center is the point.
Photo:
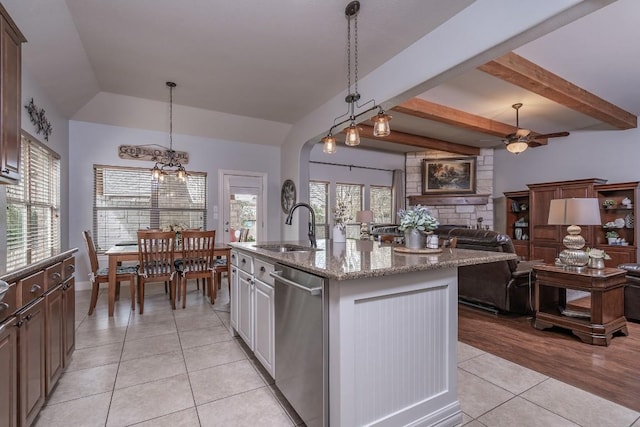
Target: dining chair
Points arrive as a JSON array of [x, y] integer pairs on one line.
[[221, 265], [156, 258], [196, 261], [101, 275]]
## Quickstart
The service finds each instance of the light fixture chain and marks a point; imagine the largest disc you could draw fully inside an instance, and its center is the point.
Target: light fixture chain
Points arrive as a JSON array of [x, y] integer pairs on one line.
[[348, 55], [355, 48]]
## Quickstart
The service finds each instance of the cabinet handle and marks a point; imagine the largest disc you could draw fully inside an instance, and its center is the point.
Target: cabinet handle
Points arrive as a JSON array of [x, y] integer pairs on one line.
[[233, 270], [71, 268], [244, 261], [5, 171], [3, 306], [263, 269], [56, 277], [35, 288], [29, 316]]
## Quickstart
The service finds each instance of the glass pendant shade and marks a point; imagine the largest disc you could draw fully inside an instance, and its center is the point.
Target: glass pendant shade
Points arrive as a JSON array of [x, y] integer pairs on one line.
[[329, 146], [155, 173], [381, 126], [353, 136], [517, 147]]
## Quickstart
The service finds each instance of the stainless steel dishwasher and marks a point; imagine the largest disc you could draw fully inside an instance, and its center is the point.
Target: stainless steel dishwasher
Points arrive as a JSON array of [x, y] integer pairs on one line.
[[301, 343]]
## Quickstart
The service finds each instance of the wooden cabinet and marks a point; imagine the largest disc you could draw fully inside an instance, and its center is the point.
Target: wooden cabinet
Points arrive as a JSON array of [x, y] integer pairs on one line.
[[517, 218], [546, 240], [11, 40], [9, 373], [618, 216], [54, 336], [31, 361], [69, 318]]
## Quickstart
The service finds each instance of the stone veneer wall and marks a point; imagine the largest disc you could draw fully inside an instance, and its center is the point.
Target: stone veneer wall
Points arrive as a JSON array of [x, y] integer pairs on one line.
[[455, 214]]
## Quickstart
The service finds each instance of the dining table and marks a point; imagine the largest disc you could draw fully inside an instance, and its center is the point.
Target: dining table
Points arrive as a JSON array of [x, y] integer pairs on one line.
[[128, 251]]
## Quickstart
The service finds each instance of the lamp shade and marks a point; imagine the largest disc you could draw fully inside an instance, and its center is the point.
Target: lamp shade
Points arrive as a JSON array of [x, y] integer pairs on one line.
[[584, 211], [364, 216]]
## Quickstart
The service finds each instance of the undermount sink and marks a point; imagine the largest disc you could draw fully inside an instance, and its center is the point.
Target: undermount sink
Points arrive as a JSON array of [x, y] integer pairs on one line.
[[285, 247]]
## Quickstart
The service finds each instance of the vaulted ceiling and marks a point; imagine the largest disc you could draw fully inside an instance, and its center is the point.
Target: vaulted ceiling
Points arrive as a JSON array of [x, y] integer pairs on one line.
[[279, 61]]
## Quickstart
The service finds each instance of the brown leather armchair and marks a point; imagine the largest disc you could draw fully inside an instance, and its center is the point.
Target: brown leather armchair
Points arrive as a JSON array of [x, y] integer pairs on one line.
[[505, 286], [632, 291]]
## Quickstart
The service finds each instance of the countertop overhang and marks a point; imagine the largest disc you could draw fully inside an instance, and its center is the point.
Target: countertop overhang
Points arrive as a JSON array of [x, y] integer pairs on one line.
[[358, 259]]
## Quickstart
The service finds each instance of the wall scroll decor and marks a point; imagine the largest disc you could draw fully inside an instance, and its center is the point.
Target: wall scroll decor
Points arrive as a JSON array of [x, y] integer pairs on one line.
[[146, 152], [39, 120]]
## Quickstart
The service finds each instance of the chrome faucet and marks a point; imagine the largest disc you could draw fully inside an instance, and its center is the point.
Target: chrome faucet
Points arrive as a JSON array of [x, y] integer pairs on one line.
[[312, 223]]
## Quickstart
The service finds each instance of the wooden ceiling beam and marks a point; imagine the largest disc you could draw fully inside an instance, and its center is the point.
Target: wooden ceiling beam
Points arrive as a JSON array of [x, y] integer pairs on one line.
[[521, 72], [418, 107], [419, 141]]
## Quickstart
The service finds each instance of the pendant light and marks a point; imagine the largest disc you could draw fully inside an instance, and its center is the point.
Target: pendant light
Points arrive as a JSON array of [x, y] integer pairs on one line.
[[170, 163], [381, 120]]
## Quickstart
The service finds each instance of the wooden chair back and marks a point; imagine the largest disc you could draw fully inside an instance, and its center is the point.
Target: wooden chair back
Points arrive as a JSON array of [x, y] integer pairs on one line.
[[91, 250], [156, 253], [197, 252]]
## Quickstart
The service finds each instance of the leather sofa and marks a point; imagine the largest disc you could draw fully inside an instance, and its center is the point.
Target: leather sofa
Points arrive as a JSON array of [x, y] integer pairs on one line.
[[504, 286], [632, 291]]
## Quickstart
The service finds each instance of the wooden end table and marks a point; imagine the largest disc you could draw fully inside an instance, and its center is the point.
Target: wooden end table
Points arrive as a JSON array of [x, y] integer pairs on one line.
[[606, 314]]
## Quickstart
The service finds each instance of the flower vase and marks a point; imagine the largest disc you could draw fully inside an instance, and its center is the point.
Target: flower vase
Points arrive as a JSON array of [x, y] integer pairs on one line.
[[596, 263], [414, 239], [339, 234]]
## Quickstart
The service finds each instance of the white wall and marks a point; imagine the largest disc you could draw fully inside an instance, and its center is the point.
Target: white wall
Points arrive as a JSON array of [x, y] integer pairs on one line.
[[92, 143]]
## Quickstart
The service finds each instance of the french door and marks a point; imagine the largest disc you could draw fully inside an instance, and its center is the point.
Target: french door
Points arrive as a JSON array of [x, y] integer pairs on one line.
[[243, 205]]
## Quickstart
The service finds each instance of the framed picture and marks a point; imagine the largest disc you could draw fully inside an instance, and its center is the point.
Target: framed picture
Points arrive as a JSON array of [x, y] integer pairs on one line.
[[449, 175], [287, 195]]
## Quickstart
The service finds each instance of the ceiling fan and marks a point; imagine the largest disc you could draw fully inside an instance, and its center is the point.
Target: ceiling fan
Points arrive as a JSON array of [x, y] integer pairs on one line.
[[521, 139]]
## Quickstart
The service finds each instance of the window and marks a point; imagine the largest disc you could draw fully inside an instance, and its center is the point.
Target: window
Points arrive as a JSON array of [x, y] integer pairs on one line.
[[380, 203], [319, 201], [127, 199], [351, 195], [33, 223]]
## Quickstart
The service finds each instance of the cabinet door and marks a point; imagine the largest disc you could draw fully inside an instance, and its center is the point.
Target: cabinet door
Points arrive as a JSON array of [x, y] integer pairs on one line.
[[544, 252], [69, 319], [234, 296], [31, 361], [264, 328], [539, 216], [9, 374], [10, 62], [245, 308], [54, 335]]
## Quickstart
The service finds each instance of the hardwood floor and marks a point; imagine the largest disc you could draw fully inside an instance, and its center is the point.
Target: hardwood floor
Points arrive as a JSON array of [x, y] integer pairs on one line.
[[611, 372]]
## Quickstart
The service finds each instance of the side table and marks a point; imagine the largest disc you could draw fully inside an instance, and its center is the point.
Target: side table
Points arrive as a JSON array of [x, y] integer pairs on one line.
[[606, 313]]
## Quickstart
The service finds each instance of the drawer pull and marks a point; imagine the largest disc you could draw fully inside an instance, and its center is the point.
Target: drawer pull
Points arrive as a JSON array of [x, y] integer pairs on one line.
[[35, 289], [3, 306], [263, 269], [71, 268], [56, 277], [29, 316], [244, 260]]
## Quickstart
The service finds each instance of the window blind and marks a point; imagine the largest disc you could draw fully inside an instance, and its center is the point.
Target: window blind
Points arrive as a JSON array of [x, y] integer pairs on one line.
[[127, 199], [33, 217]]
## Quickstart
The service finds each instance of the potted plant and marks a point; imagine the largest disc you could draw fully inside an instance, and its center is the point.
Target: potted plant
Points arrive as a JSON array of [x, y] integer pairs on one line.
[[597, 257], [612, 237], [608, 204], [415, 222]]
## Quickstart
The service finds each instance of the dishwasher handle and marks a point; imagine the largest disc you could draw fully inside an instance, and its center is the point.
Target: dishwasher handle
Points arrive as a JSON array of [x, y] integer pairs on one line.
[[278, 276]]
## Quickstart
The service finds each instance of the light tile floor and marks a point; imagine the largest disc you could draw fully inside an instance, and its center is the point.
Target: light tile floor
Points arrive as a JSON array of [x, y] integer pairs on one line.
[[183, 368]]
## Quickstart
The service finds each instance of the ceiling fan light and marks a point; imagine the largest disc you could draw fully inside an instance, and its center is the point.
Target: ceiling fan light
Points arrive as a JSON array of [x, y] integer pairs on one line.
[[381, 126], [329, 146], [353, 136], [517, 147]]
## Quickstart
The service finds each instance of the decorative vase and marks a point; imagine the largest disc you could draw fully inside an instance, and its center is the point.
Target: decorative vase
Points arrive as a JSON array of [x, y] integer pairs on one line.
[[339, 234], [414, 239], [596, 263]]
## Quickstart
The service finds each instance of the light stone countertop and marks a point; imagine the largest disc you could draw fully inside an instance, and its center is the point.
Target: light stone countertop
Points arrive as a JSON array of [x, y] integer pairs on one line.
[[365, 258]]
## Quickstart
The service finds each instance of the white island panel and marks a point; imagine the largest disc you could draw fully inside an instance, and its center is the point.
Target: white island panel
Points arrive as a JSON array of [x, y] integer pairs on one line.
[[393, 342]]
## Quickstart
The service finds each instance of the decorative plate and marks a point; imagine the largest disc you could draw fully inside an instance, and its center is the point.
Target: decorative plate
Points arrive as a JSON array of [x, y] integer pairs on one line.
[[287, 195], [619, 222]]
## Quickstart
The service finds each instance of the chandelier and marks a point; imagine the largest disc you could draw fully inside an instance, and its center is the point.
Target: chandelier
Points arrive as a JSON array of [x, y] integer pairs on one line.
[[381, 120], [169, 162]]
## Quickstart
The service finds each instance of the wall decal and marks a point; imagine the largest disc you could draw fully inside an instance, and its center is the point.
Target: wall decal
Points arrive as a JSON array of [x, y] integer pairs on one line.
[[153, 153], [39, 120]]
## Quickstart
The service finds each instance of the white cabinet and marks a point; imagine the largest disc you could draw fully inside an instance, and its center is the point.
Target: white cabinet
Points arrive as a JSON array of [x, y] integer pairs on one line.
[[245, 307], [252, 306]]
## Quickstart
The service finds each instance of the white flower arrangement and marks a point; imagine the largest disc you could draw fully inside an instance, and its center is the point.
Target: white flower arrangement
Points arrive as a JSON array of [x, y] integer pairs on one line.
[[178, 228], [417, 217], [341, 216], [597, 253]]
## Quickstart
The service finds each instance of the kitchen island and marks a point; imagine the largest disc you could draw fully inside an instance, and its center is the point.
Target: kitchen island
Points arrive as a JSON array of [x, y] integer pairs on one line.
[[386, 328]]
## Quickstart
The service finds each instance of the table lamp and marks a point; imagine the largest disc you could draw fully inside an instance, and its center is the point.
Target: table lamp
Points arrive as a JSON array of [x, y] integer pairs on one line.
[[364, 218], [572, 212]]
